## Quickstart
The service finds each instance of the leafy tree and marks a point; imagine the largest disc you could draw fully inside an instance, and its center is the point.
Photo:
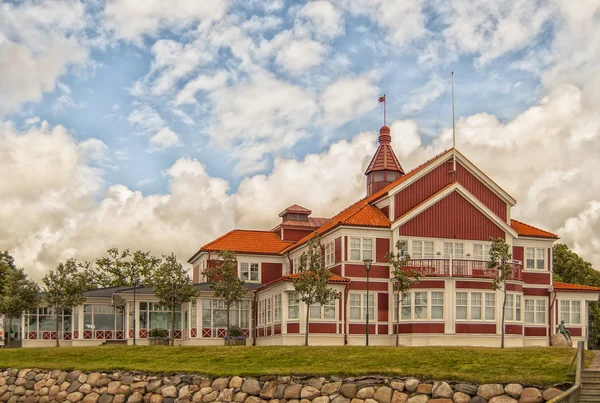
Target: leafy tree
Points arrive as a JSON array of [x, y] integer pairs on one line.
[[225, 282], [19, 295], [402, 278], [64, 288], [121, 268], [311, 282], [501, 260], [173, 287], [7, 264]]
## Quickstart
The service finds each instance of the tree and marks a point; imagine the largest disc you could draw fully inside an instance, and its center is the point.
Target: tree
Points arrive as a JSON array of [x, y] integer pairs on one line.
[[225, 282], [501, 260], [64, 288], [7, 264], [122, 268], [311, 282], [402, 278], [19, 295], [173, 287]]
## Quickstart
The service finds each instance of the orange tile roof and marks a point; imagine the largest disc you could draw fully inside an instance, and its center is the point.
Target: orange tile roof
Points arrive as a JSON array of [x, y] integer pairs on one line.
[[529, 230], [558, 286], [246, 241]]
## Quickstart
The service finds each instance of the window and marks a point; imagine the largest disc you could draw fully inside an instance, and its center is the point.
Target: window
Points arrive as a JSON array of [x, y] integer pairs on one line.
[[513, 307], [154, 316], [421, 305], [296, 265], [326, 311], [454, 250], [422, 250], [535, 258], [358, 306], [261, 312], [490, 306], [535, 311], [214, 314], [481, 251], [378, 176], [437, 305], [249, 272], [570, 312], [44, 319], [407, 307], [293, 305], [361, 248], [277, 308], [461, 305], [518, 308], [475, 306], [268, 301], [329, 254]]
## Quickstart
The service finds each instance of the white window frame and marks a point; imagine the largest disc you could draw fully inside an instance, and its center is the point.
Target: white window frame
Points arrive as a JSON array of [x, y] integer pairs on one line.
[[248, 269], [333, 303], [470, 305], [329, 253], [483, 253], [277, 308], [451, 250], [513, 309], [422, 249], [363, 241], [535, 260], [537, 303], [409, 305], [570, 311], [293, 302], [362, 306]]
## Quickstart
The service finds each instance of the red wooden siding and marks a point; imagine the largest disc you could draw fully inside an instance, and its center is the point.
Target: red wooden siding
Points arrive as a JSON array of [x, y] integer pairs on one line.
[[479, 328], [513, 329], [421, 328], [539, 292], [452, 217], [358, 270], [373, 286], [382, 329], [271, 272], [294, 234], [535, 331], [346, 248], [338, 249], [277, 329], [355, 328], [474, 285], [429, 284], [321, 327], [336, 269], [293, 328], [519, 254], [382, 247], [382, 306], [514, 287], [196, 274], [386, 210], [575, 331], [436, 180], [537, 278]]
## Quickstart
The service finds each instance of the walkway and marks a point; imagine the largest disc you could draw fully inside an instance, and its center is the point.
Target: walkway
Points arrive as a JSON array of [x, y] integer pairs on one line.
[[590, 388]]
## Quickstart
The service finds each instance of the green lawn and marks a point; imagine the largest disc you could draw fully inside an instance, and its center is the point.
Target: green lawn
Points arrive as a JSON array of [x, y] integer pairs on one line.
[[529, 365]]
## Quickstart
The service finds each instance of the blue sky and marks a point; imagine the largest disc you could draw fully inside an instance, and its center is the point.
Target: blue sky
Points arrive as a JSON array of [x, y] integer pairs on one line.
[[153, 119]]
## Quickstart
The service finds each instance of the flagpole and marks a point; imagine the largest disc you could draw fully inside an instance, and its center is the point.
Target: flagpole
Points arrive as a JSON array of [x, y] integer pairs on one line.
[[453, 131], [384, 110]]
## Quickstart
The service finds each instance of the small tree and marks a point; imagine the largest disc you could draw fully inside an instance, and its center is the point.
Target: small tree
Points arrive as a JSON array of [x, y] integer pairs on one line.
[[121, 268], [402, 278], [501, 260], [7, 264], [19, 295], [173, 287], [64, 288], [311, 283], [225, 283]]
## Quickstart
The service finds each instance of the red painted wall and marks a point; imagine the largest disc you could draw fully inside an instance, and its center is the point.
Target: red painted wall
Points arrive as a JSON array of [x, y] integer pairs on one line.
[[196, 274], [295, 234], [519, 254], [436, 180], [270, 271], [543, 277], [382, 247], [362, 285], [575, 331], [338, 249], [382, 329], [535, 331], [386, 210], [346, 248], [514, 287], [336, 269], [429, 284], [513, 329], [480, 328], [277, 329], [321, 327], [539, 292], [421, 328], [382, 306], [355, 328], [474, 285], [454, 218], [358, 270], [293, 328]]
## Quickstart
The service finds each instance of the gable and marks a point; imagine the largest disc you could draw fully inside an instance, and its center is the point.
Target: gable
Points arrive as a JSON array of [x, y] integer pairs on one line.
[[440, 177], [452, 217]]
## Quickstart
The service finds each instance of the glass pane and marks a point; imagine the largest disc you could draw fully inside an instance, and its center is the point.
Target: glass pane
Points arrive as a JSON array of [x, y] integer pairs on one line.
[[293, 312], [315, 312], [354, 313], [437, 312], [461, 312]]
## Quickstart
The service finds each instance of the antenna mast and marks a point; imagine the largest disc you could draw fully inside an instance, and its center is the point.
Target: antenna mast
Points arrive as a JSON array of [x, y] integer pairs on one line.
[[453, 131]]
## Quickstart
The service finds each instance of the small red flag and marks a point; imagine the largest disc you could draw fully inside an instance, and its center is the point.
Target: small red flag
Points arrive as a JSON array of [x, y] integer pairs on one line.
[[382, 99]]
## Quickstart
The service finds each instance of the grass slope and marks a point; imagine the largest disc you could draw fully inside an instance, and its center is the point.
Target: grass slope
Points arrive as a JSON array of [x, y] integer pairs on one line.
[[481, 365]]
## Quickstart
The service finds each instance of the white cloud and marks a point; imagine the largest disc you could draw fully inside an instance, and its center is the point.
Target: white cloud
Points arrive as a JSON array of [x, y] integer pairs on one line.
[[94, 149], [165, 138], [202, 82], [300, 55], [347, 99], [321, 19], [146, 119], [422, 96]]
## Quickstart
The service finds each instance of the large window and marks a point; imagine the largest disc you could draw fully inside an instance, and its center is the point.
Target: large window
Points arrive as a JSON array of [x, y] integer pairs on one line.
[[513, 307], [454, 250], [154, 316], [277, 308], [570, 312], [329, 254], [481, 251], [102, 317], [535, 311], [249, 272], [326, 311], [475, 306], [293, 305], [422, 250], [535, 258], [214, 314], [43, 319], [361, 248], [421, 305], [358, 306]]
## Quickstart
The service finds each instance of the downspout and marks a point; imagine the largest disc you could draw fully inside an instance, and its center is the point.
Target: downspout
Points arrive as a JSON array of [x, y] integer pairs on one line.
[[254, 318], [346, 294], [290, 263]]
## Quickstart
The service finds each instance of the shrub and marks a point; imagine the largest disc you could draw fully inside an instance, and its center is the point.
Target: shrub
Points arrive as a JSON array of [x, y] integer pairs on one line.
[[235, 331], [158, 333]]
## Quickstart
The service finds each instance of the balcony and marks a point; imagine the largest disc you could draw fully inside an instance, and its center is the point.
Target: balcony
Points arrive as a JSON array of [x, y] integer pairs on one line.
[[459, 268]]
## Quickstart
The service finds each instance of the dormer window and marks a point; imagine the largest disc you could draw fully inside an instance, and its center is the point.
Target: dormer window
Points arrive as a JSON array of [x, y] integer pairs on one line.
[[296, 217]]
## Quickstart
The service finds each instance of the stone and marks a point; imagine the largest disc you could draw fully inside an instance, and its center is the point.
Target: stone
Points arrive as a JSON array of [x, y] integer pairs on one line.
[[73, 376], [411, 384], [211, 397], [467, 388], [254, 399], [44, 399], [226, 395], [460, 397], [441, 390], [50, 382], [268, 390], [280, 391], [558, 340], [551, 393], [309, 392], [236, 382], [220, 383], [86, 388], [366, 393], [39, 385], [156, 398], [104, 381], [357, 401], [321, 399], [113, 387], [348, 390], [91, 398], [330, 388], [316, 382], [75, 397], [124, 390], [82, 378], [399, 397], [513, 390], [54, 390], [153, 386], [138, 387], [184, 392], [425, 388], [120, 399], [502, 399], [397, 385], [240, 397], [30, 399], [128, 380], [478, 399], [135, 398], [206, 390], [251, 386], [370, 401], [93, 378], [20, 382], [440, 400], [340, 399], [19, 391], [44, 391], [170, 391], [292, 391], [531, 395], [490, 390], [61, 396], [383, 395], [418, 399], [23, 373]]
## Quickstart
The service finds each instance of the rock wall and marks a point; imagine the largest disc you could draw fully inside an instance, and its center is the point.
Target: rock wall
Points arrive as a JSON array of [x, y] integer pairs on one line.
[[47, 386]]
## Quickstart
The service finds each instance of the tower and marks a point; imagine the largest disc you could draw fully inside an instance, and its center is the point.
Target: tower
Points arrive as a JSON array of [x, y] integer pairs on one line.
[[384, 167]]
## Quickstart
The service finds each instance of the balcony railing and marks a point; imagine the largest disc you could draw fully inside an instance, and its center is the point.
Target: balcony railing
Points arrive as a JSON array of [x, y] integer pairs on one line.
[[459, 268]]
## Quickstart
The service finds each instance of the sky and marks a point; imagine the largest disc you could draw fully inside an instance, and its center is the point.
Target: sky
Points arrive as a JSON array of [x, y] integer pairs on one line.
[[162, 125]]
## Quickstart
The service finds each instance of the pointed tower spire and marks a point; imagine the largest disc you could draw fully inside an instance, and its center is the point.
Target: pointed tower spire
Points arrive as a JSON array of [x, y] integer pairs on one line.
[[384, 167]]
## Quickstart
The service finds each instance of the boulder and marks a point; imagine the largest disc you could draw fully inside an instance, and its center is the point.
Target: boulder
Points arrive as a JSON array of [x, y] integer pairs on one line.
[[309, 392], [169, 391], [340, 399], [82, 378], [251, 386], [502, 399], [399, 397], [93, 378], [135, 398], [490, 390], [559, 340], [91, 398], [139, 387], [418, 399], [397, 385], [226, 395], [411, 384], [467, 388], [236, 382], [330, 388], [425, 388], [513, 390], [316, 382], [478, 399], [120, 399], [383, 394], [366, 393], [220, 383], [113, 387], [551, 393], [460, 397], [293, 391], [86, 388], [156, 398], [531, 395], [75, 397], [268, 390], [348, 390], [240, 397], [206, 390], [211, 397], [441, 390], [321, 399], [105, 398]]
